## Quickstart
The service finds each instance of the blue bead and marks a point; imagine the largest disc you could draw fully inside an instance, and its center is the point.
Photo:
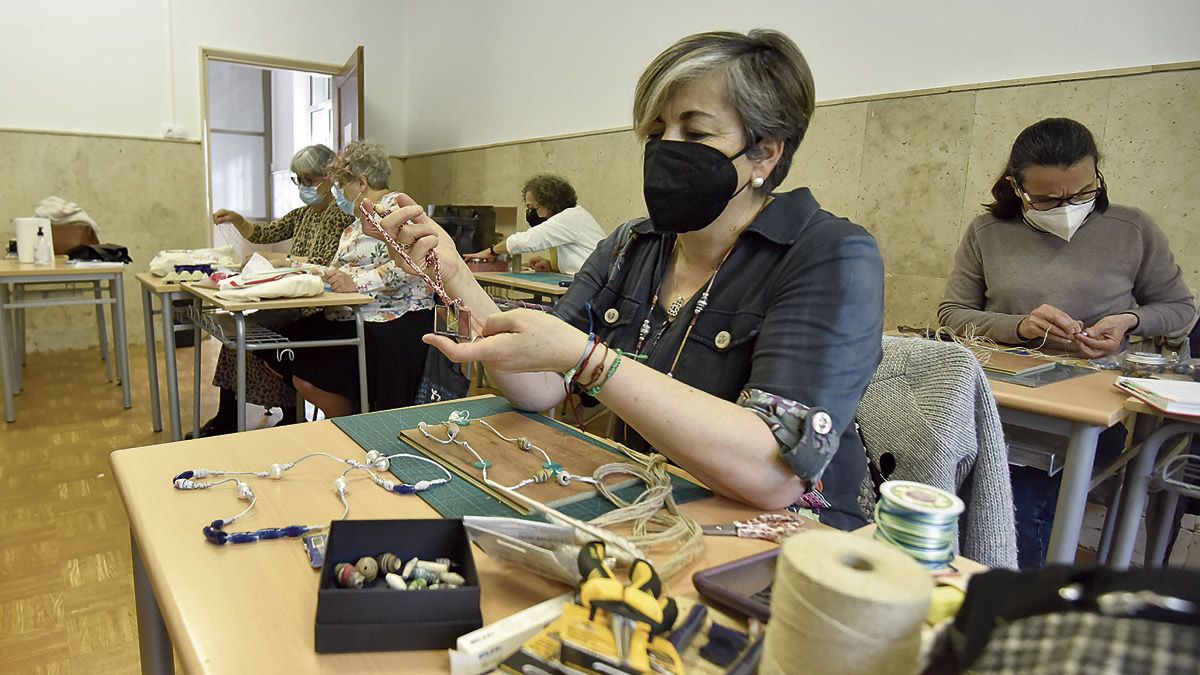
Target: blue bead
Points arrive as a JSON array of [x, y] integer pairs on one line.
[[294, 530], [483, 464], [404, 489], [185, 474], [552, 466], [270, 533], [243, 537], [215, 536]]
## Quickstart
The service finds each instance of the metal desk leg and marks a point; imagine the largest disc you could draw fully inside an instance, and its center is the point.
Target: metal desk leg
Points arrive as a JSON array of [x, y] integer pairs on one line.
[[1072, 494], [1158, 533], [167, 303], [196, 333], [151, 359], [362, 361], [18, 344], [116, 288], [101, 329], [6, 357], [239, 320], [1133, 497], [153, 640]]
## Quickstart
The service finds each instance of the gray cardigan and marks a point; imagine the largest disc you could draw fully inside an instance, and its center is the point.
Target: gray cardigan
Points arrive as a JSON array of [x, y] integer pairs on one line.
[[930, 405]]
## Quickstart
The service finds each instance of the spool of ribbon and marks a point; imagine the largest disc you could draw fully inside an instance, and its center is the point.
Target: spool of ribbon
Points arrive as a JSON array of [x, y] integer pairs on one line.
[[844, 604]]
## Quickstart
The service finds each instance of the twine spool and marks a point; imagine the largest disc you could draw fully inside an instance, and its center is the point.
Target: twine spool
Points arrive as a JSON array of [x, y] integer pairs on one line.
[[844, 604]]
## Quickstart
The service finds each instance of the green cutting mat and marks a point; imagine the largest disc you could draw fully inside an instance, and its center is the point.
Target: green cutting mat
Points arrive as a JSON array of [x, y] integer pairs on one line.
[[551, 278], [377, 431]]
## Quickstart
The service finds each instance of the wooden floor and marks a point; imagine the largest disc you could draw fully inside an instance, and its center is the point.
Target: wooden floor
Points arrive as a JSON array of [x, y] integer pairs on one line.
[[66, 588]]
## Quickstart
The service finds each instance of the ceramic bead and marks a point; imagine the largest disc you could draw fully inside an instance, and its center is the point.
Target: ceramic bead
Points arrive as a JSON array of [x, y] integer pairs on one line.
[[452, 579], [395, 581], [389, 563], [347, 576], [368, 567], [418, 584], [409, 567], [433, 566]]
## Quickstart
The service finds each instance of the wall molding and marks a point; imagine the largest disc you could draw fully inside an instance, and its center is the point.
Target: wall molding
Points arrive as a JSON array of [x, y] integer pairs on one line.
[[915, 93], [84, 134]]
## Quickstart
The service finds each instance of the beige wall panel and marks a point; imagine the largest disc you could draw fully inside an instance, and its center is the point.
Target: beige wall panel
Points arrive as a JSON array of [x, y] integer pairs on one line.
[[830, 159], [1152, 142], [396, 181], [1001, 114], [914, 171], [911, 300], [146, 195]]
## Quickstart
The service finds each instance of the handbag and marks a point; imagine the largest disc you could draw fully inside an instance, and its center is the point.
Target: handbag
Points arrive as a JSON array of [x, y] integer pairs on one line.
[[100, 252], [442, 379]]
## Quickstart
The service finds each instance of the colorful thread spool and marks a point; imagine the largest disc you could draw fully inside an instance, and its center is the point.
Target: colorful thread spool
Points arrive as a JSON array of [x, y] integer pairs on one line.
[[920, 520]]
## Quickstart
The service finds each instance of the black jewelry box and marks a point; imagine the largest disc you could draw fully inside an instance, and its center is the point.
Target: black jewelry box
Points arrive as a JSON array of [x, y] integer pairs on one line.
[[379, 618]]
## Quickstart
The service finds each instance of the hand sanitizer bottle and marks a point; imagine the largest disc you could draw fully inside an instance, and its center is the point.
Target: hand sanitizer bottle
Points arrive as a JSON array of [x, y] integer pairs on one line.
[[42, 255]]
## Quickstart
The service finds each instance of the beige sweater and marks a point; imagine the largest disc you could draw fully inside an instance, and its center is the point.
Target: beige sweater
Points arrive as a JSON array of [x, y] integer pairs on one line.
[[1118, 261]]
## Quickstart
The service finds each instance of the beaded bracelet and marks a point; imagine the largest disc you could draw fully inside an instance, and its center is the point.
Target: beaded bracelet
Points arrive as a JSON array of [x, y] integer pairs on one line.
[[593, 391]]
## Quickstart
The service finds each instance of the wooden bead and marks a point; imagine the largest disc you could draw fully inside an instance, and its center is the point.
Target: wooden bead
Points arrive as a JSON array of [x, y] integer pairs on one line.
[[389, 563], [347, 576], [368, 567]]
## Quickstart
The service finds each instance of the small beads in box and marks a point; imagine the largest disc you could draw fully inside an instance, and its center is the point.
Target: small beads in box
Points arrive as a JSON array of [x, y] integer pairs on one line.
[[414, 575]]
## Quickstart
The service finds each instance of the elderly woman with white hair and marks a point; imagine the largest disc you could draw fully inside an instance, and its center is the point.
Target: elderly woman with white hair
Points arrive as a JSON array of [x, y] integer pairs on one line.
[[400, 311], [719, 327], [314, 230]]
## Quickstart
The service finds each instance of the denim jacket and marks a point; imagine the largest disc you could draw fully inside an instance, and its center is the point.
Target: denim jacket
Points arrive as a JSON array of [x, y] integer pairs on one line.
[[796, 310]]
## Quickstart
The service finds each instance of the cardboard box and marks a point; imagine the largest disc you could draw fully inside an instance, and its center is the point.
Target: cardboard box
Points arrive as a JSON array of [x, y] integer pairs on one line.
[[379, 618]]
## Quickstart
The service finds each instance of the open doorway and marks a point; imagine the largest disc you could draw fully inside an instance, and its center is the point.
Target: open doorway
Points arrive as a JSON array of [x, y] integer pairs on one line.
[[258, 111]]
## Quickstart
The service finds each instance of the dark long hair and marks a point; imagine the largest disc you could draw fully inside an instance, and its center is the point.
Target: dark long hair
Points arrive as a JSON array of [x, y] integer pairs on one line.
[[1056, 141]]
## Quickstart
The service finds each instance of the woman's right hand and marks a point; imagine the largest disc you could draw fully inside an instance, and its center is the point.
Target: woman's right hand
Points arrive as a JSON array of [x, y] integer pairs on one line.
[[1049, 322], [409, 226], [226, 216]]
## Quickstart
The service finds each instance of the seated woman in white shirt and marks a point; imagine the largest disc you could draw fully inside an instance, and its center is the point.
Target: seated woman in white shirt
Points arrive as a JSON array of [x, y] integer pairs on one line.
[[556, 220]]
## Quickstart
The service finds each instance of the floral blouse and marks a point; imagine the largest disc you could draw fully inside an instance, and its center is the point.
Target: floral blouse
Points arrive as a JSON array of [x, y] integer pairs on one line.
[[366, 260], [314, 231]]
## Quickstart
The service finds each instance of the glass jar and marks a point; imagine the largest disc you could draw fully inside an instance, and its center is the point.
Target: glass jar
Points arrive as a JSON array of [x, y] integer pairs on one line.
[[1144, 364]]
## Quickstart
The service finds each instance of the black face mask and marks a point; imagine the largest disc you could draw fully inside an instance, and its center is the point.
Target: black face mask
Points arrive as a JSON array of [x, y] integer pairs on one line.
[[687, 185], [532, 217]]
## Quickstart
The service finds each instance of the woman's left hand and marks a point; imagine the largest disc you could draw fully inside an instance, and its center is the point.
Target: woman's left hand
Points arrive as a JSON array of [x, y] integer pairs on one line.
[[519, 341], [340, 281], [1105, 336]]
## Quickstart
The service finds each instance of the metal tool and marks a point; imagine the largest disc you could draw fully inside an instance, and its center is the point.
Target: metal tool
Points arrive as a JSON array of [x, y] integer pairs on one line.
[[626, 605]]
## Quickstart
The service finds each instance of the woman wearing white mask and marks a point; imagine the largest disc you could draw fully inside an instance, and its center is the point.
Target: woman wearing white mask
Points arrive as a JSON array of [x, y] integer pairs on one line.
[[1053, 259], [715, 326]]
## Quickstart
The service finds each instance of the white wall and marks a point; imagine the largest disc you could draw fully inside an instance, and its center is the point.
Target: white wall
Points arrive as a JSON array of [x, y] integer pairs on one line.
[[133, 66], [482, 72]]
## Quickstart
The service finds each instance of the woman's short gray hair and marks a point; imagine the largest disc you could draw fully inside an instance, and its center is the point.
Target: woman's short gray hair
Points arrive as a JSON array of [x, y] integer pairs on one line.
[[361, 158], [310, 162], [766, 77]]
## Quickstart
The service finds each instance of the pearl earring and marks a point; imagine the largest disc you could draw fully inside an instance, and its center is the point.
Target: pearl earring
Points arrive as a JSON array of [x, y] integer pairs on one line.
[[757, 181]]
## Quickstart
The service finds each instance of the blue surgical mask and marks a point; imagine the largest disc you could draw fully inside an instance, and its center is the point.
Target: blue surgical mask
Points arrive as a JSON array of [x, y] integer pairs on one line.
[[309, 195], [340, 197]]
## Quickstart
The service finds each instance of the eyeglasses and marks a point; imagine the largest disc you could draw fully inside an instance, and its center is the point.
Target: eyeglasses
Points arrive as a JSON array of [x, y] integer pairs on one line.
[[1047, 203], [308, 182]]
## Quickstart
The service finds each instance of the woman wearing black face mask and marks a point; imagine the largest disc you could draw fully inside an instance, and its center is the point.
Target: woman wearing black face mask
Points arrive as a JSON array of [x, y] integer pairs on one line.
[[556, 220], [734, 308]]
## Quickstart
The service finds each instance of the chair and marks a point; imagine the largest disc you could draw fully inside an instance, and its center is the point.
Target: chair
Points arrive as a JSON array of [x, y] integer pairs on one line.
[[930, 407]]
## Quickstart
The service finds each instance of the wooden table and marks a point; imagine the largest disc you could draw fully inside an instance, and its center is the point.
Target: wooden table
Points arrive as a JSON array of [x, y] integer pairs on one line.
[[167, 292], [12, 342], [543, 293], [251, 608], [1079, 409], [250, 337]]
